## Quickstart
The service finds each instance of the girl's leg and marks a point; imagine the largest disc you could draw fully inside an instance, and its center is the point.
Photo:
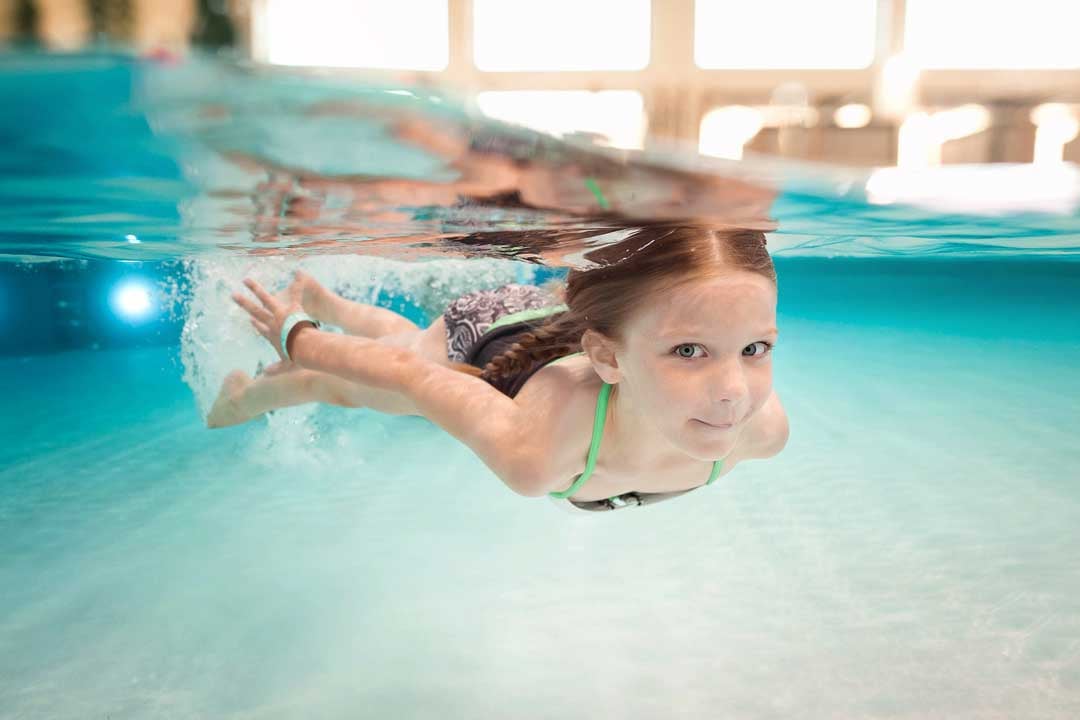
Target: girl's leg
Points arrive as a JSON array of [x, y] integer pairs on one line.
[[242, 398]]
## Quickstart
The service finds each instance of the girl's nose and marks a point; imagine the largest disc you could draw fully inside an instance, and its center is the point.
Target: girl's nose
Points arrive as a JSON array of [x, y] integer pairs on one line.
[[728, 383]]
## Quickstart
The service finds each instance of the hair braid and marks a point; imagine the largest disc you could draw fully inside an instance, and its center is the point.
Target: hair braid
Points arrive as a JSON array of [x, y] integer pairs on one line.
[[559, 335]]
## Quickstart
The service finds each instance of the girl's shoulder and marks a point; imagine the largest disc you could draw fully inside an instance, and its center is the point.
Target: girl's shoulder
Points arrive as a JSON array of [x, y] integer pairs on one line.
[[562, 400]]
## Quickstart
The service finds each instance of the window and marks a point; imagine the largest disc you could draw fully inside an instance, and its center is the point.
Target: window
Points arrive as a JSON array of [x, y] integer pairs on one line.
[[784, 34], [404, 34], [979, 34], [525, 35]]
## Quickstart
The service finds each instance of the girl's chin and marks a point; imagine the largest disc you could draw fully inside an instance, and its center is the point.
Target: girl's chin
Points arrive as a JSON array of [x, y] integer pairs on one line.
[[712, 444]]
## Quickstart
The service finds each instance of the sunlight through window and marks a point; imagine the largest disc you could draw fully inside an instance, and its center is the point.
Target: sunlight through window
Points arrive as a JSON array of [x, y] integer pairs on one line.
[[852, 116], [784, 34], [922, 135], [404, 34], [1056, 125], [524, 35], [726, 130], [979, 34]]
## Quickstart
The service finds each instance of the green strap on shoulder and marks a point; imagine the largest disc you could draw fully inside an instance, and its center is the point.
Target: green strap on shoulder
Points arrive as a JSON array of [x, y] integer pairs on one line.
[[597, 433], [601, 403], [594, 188], [594, 447], [717, 466]]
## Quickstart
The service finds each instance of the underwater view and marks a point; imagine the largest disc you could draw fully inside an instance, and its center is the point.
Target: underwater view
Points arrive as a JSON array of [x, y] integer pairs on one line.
[[307, 386]]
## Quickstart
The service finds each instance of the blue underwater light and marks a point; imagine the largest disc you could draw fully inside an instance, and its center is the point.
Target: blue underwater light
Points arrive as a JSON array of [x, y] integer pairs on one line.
[[133, 300]]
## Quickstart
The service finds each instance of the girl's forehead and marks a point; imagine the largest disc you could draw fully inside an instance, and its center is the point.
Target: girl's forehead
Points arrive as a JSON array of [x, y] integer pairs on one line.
[[740, 304], [744, 289]]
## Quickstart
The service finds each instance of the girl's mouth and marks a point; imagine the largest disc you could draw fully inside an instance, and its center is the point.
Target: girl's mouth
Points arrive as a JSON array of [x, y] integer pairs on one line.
[[724, 426]]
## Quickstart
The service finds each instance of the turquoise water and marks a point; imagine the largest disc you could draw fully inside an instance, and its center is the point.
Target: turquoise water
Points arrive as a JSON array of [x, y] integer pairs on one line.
[[910, 554]]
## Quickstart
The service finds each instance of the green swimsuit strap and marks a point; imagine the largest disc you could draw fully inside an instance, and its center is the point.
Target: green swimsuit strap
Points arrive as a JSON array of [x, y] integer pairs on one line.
[[597, 433], [717, 466]]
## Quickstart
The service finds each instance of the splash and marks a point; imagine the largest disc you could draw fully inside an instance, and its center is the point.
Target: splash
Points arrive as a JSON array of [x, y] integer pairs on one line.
[[217, 336]]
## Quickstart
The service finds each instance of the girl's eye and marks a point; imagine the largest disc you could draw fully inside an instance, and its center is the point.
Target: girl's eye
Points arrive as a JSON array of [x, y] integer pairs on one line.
[[767, 348], [680, 348]]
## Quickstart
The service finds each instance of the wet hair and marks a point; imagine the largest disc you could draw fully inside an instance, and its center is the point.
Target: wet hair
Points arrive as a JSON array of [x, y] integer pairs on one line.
[[626, 275]]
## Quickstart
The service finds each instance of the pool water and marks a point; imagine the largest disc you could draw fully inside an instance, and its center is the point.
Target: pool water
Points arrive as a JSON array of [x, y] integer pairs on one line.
[[910, 554]]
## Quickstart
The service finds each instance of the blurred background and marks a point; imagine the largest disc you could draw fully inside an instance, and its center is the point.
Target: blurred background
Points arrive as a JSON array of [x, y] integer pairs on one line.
[[911, 83], [859, 83]]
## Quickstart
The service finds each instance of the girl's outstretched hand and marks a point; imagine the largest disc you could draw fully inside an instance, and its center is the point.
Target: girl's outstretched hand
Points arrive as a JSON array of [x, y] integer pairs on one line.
[[269, 317]]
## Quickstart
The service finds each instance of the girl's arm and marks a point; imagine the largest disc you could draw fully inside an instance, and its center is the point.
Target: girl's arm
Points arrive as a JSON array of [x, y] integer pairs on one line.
[[353, 317], [506, 436], [495, 427], [353, 358]]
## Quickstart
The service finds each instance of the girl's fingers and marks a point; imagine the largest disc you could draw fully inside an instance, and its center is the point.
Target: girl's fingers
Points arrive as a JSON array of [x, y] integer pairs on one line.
[[296, 292], [266, 298], [254, 310], [261, 327]]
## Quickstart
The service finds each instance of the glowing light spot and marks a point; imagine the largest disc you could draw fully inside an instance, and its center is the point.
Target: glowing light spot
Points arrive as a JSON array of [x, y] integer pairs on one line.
[[852, 116], [896, 90], [1056, 126], [726, 130], [132, 239], [922, 134], [132, 300]]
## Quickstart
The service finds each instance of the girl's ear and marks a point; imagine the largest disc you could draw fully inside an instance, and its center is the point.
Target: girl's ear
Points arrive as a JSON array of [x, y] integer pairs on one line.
[[601, 351]]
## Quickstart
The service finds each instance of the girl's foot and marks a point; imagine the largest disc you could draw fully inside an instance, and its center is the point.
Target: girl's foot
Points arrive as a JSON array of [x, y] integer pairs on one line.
[[227, 407]]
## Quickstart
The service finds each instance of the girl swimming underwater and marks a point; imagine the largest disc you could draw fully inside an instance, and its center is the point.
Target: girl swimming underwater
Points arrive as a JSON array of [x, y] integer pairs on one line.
[[651, 378]]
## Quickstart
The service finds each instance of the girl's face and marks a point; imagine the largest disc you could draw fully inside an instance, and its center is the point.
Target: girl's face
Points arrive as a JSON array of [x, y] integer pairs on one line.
[[697, 364]]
